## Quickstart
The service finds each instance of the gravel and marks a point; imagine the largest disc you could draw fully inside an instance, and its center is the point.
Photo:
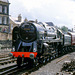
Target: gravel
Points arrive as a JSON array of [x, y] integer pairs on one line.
[[54, 67]]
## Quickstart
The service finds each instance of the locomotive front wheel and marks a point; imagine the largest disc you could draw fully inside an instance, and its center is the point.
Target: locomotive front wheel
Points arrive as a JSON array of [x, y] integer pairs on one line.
[[19, 61], [32, 62]]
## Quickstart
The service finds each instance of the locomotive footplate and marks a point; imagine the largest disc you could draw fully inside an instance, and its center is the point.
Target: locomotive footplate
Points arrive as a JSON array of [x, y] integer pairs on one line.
[[24, 54]]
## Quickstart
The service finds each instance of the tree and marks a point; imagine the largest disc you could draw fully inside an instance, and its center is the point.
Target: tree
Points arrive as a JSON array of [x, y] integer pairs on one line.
[[64, 29]]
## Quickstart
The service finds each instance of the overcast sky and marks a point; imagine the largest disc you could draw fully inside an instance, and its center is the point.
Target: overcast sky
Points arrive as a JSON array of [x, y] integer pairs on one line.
[[60, 12]]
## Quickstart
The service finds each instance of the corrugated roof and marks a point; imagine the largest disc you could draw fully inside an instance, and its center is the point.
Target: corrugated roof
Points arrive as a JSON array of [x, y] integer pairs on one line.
[[5, 1]]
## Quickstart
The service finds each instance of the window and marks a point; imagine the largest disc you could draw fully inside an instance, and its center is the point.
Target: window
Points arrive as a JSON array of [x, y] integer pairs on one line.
[[5, 10], [0, 8], [4, 29], [0, 19], [11, 26], [0, 29], [4, 20]]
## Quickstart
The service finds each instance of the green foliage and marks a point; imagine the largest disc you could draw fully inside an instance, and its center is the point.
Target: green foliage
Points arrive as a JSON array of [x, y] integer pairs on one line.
[[64, 29]]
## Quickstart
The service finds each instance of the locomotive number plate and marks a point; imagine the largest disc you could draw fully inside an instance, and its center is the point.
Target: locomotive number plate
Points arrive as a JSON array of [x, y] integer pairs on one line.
[[26, 29]]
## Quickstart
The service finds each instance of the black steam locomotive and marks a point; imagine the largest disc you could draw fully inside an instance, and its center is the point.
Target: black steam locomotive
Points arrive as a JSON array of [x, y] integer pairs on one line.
[[33, 43]]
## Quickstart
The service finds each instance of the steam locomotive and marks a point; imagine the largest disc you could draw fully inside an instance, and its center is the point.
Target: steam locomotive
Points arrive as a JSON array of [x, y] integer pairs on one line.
[[33, 42]]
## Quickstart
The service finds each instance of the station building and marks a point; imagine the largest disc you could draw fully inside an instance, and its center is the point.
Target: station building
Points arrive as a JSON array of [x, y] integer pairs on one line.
[[4, 19]]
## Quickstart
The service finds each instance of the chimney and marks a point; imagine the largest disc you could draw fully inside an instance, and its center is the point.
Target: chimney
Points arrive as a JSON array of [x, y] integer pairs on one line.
[[19, 18], [25, 20], [36, 21]]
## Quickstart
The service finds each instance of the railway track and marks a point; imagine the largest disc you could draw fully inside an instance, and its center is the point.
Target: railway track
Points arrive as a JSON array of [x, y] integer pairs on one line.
[[7, 58], [40, 65], [4, 61], [14, 69], [4, 54], [8, 69], [31, 68], [7, 61]]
